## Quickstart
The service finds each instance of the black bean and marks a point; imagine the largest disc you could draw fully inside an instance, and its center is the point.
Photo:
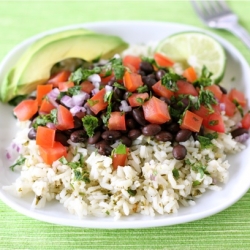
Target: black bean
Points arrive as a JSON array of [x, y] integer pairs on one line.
[[32, 134], [77, 122], [139, 117], [152, 75], [164, 136], [117, 94], [179, 152], [111, 135], [103, 148], [95, 138], [223, 90], [159, 74], [126, 141], [111, 81], [116, 106], [183, 135], [131, 123], [126, 95], [238, 132], [146, 67], [149, 81], [173, 128], [78, 136], [134, 134], [166, 100], [151, 129], [142, 73], [62, 138]]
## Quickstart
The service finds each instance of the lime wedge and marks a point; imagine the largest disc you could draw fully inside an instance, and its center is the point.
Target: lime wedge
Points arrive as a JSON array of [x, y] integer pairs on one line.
[[195, 49]]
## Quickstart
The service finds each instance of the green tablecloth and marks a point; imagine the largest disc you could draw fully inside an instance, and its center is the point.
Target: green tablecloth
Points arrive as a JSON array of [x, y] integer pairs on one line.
[[229, 229]]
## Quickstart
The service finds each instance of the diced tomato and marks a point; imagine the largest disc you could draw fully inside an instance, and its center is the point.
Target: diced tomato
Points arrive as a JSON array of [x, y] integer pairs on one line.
[[49, 155], [185, 88], [132, 62], [204, 111], [214, 122], [106, 79], [245, 122], [64, 118], [87, 86], [97, 103], [132, 81], [119, 159], [137, 99], [190, 74], [64, 86], [230, 107], [117, 121], [238, 96], [46, 106], [191, 121], [161, 90], [26, 109], [215, 89], [162, 60], [62, 76], [42, 91], [156, 111], [45, 137]]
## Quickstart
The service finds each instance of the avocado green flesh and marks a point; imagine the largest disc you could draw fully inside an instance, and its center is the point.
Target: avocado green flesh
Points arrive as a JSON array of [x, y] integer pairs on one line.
[[36, 69]]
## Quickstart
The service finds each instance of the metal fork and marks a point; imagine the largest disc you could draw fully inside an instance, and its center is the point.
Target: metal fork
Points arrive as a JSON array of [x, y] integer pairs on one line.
[[216, 14]]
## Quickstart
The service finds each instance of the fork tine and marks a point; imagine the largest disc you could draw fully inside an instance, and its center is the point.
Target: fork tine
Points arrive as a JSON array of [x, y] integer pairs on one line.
[[223, 5], [199, 10]]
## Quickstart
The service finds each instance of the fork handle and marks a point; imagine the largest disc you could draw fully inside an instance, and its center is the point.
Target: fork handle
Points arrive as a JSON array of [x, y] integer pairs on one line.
[[240, 32]]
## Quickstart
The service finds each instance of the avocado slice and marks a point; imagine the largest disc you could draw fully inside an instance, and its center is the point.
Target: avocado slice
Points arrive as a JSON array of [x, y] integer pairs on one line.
[[9, 83]]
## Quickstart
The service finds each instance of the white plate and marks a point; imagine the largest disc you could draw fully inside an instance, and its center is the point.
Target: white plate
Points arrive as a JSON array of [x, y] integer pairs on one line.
[[211, 203]]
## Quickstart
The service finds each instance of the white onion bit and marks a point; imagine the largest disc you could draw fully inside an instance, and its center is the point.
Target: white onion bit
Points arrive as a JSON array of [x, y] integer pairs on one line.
[[125, 107], [94, 78]]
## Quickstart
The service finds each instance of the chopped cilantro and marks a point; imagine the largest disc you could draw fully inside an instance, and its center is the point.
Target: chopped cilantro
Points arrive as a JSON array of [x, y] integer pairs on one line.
[[42, 120], [206, 97], [148, 59], [175, 173], [81, 176], [132, 192], [199, 168], [82, 74], [19, 162], [63, 160], [142, 89], [169, 81], [90, 123], [196, 183], [120, 149], [74, 90], [239, 107], [92, 102], [118, 68], [140, 100], [106, 117], [205, 78], [213, 122], [206, 140], [118, 85]]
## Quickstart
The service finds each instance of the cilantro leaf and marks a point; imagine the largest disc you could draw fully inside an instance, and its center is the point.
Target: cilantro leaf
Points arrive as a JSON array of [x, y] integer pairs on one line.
[[120, 149], [42, 120], [196, 183], [205, 78], [170, 79], [106, 117], [82, 74], [206, 140], [175, 173], [63, 160], [74, 90], [118, 68], [132, 192], [199, 168], [239, 107], [142, 89], [19, 162], [90, 123], [118, 85]]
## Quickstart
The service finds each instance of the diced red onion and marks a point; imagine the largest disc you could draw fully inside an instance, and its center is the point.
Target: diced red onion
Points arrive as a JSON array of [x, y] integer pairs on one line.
[[94, 78], [242, 138], [14, 145], [239, 125], [54, 93], [18, 149], [79, 99], [77, 109], [222, 107], [125, 107], [96, 85], [67, 101], [51, 125], [53, 102], [8, 156]]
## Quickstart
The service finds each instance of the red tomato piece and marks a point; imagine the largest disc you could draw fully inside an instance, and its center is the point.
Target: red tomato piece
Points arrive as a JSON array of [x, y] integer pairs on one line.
[[49, 155], [162, 60], [97, 103], [45, 137], [26, 109], [87, 86], [230, 107], [161, 90], [190, 74], [215, 89], [246, 121], [185, 88], [214, 122], [132, 81], [191, 121], [62, 76], [117, 121], [238, 96], [106, 79], [46, 106], [64, 86], [64, 118], [204, 112], [42, 91], [137, 99], [132, 62], [156, 111], [119, 160]]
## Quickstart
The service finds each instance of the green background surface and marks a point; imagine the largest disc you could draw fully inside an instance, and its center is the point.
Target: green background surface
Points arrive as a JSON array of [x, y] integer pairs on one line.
[[229, 229]]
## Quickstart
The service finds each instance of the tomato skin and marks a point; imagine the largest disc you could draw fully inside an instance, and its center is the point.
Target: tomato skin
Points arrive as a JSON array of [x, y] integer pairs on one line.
[[132, 62], [191, 121], [185, 88], [26, 109], [238, 96], [204, 112], [119, 160], [230, 107], [42, 91], [215, 89], [161, 90], [132, 81], [45, 137], [163, 61], [156, 111], [190, 74], [99, 103], [214, 122], [64, 86], [46, 106], [117, 121], [87, 86], [64, 118], [49, 155], [133, 102], [62, 76], [245, 122]]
